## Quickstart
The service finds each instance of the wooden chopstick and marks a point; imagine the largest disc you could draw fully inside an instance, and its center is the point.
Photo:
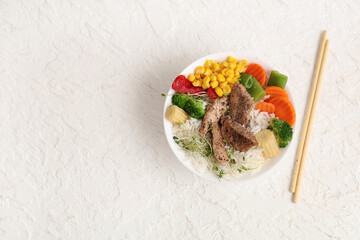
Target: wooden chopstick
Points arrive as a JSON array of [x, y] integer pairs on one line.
[[311, 121], [308, 111]]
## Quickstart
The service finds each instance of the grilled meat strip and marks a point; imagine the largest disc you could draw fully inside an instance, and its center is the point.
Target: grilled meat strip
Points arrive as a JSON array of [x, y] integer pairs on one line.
[[240, 104], [214, 110], [236, 135], [218, 145]]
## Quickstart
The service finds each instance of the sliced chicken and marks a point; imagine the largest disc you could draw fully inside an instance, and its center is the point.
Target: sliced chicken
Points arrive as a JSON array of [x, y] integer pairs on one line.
[[236, 135], [218, 145], [240, 105], [214, 110]]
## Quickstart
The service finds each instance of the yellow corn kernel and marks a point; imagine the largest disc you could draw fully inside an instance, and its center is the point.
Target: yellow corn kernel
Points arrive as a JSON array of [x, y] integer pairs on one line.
[[242, 63], [229, 79], [219, 92], [213, 78], [215, 67], [197, 76], [231, 85], [223, 71], [205, 85], [206, 79], [220, 77], [200, 70], [191, 77], [232, 65], [207, 72], [239, 69], [233, 80], [232, 59], [196, 83], [214, 84], [226, 90], [207, 64], [229, 72], [224, 65], [242, 69], [237, 74], [223, 84]]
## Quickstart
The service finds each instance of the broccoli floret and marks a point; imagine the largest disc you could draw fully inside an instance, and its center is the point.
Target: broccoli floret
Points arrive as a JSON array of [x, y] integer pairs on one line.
[[194, 107], [191, 105], [180, 100], [282, 130]]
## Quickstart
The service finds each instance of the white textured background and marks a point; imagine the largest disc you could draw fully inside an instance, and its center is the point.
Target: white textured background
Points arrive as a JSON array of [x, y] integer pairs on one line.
[[82, 150]]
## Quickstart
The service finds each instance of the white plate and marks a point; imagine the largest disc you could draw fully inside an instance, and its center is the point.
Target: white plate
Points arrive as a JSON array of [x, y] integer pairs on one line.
[[180, 154]]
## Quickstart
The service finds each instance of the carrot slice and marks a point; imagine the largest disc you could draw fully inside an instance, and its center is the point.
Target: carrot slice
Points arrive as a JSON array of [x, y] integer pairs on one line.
[[268, 99], [257, 72], [274, 91], [266, 107], [284, 110]]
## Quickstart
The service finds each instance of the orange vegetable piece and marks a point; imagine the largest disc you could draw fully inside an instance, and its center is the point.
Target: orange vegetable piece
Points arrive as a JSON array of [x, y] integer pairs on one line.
[[265, 107], [284, 110], [268, 99], [275, 91], [257, 72]]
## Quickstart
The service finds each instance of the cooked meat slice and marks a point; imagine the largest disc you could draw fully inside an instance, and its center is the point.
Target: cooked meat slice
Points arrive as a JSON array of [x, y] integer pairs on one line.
[[218, 145], [240, 104], [214, 110], [236, 135]]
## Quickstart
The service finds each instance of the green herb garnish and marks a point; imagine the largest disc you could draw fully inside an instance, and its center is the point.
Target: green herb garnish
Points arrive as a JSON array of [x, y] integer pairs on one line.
[[242, 168], [221, 174]]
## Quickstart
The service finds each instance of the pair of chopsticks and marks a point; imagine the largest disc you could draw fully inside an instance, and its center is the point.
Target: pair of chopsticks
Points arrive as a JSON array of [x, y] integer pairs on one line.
[[309, 118]]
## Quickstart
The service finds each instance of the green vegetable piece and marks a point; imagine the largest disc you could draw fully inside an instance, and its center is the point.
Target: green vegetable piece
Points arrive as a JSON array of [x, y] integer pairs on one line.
[[277, 79], [194, 107], [256, 90], [282, 130], [180, 100], [191, 105], [246, 80]]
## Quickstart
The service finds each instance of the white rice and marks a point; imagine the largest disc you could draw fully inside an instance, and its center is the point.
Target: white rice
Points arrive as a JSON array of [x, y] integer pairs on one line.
[[259, 120], [247, 162]]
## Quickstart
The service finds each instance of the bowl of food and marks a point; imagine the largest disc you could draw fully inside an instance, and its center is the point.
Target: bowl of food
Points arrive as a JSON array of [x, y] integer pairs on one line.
[[229, 117]]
